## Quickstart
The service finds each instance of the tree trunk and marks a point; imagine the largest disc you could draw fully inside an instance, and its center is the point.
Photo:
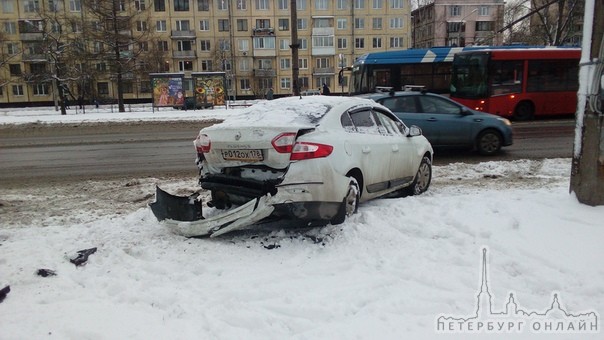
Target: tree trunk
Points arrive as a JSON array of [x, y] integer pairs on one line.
[[587, 175]]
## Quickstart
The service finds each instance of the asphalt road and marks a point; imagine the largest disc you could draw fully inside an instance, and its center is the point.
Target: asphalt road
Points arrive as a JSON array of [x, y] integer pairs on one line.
[[65, 152]]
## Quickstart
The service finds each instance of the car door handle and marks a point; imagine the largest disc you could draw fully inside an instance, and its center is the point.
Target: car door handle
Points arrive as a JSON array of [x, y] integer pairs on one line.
[[431, 119], [366, 149], [395, 148]]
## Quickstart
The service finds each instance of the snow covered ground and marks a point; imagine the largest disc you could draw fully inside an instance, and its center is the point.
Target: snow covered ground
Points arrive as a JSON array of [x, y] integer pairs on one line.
[[387, 273]]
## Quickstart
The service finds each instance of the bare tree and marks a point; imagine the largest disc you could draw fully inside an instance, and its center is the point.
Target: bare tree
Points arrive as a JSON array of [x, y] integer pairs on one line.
[[121, 30]]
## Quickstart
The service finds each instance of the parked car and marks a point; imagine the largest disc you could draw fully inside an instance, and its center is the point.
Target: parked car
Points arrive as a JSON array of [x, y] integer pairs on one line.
[[307, 158], [447, 123]]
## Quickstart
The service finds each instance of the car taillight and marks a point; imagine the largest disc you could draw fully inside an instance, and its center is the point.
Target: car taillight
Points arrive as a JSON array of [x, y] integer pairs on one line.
[[284, 142], [305, 150], [203, 143]]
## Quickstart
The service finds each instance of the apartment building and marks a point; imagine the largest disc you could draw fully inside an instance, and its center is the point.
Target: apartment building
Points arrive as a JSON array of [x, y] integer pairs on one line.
[[249, 40], [457, 23]]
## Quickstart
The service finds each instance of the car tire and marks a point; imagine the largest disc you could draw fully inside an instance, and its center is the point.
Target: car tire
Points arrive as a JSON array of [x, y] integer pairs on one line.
[[422, 179], [350, 203], [489, 142], [524, 111]]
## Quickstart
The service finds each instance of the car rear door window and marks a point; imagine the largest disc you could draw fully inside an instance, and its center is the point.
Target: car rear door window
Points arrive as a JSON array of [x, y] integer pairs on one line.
[[364, 122]]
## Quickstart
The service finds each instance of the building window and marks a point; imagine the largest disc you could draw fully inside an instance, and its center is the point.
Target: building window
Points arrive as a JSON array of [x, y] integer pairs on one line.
[[359, 23], [377, 23], [359, 42], [285, 63], [161, 26], [76, 27], [15, 69], [7, 6], [484, 26], [302, 24], [75, 5], [102, 88], [359, 4], [141, 26], [394, 4], [262, 4], [283, 4], [303, 82], [140, 5], [455, 11], [181, 5], [40, 89], [18, 90], [377, 42], [223, 5], [396, 42], [265, 64], [303, 44], [10, 28], [101, 67], [206, 65], [301, 5], [241, 25], [322, 63], [203, 5], [12, 48], [31, 6], [143, 46], [224, 45], [244, 84], [185, 65], [204, 45], [183, 25], [244, 64], [283, 24], [322, 5], [223, 25], [204, 25], [396, 22], [242, 5], [263, 23], [378, 4], [483, 10], [342, 43], [303, 63], [159, 5], [264, 43], [342, 4], [285, 83], [127, 86], [244, 45], [284, 44], [322, 41], [184, 45], [162, 45], [342, 24]]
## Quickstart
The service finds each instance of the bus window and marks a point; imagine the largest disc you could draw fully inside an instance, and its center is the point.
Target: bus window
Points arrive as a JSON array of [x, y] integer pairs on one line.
[[506, 77], [552, 75]]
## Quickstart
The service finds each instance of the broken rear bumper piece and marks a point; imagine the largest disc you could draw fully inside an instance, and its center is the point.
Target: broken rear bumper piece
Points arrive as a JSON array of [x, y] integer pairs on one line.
[[183, 214]]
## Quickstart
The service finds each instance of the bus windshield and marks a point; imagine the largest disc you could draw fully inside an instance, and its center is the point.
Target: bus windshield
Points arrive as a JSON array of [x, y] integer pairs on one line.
[[469, 76]]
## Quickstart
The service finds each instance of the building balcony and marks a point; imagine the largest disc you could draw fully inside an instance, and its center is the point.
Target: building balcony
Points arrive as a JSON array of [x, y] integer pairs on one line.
[[323, 71], [263, 31], [323, 31], [33, 57], [265, 52], [184, 54], [182, 35], [265, 73], [323, 51], [34, 36]]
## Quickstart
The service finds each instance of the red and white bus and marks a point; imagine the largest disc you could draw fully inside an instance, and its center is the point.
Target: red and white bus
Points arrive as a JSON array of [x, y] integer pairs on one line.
[[517, 83]]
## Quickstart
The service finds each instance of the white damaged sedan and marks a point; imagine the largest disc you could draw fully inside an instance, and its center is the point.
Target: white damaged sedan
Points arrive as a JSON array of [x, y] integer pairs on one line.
[[310, 158]]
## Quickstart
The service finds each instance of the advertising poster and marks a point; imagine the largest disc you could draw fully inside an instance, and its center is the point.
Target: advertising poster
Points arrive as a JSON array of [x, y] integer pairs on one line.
[[209, 88], [168, 91]]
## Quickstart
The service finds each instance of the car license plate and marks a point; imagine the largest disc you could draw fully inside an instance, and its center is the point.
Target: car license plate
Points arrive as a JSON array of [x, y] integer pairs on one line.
[[252, 155]]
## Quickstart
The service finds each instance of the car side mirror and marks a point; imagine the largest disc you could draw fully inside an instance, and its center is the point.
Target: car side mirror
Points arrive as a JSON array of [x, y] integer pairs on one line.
[[414, 130], [465, 111]]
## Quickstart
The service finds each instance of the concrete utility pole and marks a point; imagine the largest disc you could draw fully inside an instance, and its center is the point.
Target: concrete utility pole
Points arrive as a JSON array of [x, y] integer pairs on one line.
[[587, 174]]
